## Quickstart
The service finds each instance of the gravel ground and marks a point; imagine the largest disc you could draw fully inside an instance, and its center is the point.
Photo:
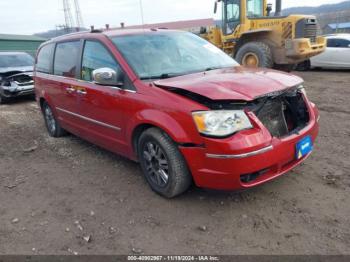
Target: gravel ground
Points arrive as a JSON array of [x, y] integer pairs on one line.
[[66, 196]]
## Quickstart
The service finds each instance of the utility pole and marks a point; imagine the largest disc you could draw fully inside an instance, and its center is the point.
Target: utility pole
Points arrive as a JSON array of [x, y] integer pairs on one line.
[[68, 15], [78, 16]]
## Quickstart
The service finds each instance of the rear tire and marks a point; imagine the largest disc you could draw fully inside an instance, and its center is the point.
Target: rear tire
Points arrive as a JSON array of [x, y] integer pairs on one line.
[[52, 125], [163, 165], [304, 66], [3, 100], [285, 68], [259, 50]]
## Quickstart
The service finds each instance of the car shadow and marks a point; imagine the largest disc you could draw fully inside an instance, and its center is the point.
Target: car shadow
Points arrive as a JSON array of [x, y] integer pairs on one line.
[[194, 193], [330, 70], [20, 100]]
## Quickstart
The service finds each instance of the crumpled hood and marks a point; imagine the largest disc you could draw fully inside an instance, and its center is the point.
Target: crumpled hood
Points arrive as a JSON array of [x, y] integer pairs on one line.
[[16, 69], [233, 84]]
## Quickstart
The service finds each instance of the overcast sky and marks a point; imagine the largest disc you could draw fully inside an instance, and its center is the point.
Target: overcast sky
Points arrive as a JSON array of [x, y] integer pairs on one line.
[[32, 16]]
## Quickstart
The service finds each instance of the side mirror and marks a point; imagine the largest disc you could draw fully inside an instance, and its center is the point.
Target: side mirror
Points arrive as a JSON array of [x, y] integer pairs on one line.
[[268, 9], [107, 77], [215, 7]]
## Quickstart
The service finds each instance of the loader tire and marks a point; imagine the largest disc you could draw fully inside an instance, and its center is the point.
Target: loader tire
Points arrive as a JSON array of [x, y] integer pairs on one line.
[[255, 54], [304, 66], [285, 68]]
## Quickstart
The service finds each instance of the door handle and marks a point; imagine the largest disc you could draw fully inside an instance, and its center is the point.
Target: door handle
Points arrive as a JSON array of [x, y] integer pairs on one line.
[[70, 90], [81, 91]]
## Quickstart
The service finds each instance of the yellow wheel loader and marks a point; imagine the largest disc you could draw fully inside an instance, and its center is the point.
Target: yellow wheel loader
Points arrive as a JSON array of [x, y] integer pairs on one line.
[[256, 38]]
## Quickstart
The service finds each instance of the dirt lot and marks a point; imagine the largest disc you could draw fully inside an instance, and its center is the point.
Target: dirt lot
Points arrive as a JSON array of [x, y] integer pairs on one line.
[[56, 192]]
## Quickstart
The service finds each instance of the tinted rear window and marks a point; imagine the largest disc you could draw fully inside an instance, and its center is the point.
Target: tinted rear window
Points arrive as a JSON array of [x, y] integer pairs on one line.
[[44, 59], [66, 57]]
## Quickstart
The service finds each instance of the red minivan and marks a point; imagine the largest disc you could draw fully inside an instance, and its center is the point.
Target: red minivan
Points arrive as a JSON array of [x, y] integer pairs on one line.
[[177, 104]]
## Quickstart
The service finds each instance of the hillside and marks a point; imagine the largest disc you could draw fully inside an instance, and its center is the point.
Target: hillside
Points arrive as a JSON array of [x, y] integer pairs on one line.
[[329, 8], [57, 32], [326, 14]]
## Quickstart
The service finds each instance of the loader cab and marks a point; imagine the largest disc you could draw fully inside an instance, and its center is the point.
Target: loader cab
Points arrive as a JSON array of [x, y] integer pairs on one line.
[[236, 12], [231, 16], [255, 8]]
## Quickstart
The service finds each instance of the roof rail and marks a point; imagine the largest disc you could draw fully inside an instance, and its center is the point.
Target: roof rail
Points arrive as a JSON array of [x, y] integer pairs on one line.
[[93, 30]]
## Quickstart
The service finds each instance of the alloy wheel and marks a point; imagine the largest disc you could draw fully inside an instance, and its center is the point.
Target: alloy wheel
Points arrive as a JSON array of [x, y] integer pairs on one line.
[[50, 120], [156, 164]]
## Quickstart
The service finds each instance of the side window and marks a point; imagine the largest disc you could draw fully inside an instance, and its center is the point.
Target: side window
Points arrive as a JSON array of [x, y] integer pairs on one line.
[[232, 15], [96, 56], [45, 58], [66, 57], [343, 43], [330, 43], [340, 43]]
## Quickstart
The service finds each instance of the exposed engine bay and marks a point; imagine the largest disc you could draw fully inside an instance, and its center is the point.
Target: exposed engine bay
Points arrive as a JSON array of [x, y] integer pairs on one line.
[[282, 113]]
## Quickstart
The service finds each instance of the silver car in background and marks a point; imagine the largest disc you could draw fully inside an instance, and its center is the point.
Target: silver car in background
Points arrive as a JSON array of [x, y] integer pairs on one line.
[[336, 56], [16, 75]]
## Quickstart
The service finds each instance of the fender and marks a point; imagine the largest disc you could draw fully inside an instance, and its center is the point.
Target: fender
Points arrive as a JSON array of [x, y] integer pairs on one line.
[[257, 31], [167, 123], [41, 94]]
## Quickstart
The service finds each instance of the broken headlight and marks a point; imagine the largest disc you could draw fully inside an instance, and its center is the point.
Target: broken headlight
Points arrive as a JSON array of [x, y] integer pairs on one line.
[[221, 123], [302, 90]]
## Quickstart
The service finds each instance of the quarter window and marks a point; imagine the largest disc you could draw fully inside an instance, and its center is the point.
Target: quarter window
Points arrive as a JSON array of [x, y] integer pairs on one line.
[[96, 56], [66, 57], [44, 59]]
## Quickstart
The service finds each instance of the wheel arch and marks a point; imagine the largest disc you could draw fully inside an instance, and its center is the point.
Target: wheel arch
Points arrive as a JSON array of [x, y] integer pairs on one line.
[[42, 100], [157, 119], [254, 36]]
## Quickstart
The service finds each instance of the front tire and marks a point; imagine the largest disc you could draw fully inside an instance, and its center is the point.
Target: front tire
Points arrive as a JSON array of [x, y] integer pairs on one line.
[[163, 165], [52, 125], [255, 54], [3, 100]]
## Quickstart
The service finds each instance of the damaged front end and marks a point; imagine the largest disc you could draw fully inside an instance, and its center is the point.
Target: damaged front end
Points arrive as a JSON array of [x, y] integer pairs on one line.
[[15, 83], [282, 113]]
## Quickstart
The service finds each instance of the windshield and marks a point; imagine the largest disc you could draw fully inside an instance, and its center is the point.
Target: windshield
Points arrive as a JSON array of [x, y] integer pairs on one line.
[[16, 60], [167, 54]]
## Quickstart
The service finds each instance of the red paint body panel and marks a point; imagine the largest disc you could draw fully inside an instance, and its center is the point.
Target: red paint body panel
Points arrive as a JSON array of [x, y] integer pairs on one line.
[[225, 174], [235, 83], [121, 112]]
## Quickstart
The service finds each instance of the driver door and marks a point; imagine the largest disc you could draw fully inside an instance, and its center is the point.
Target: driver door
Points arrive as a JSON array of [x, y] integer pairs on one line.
[[102, 108], [232, 16]]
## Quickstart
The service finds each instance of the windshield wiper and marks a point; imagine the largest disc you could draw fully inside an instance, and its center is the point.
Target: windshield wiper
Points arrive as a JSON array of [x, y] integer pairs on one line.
[[212, 68], [216, 68], [162, 76]]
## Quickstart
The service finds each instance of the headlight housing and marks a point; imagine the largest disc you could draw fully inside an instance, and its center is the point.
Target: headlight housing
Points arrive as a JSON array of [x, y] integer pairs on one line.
[[221, 123], [302, 90]]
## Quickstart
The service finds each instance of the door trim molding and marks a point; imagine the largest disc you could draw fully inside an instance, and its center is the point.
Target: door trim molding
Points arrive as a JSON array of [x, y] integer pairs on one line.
[[89, 119]]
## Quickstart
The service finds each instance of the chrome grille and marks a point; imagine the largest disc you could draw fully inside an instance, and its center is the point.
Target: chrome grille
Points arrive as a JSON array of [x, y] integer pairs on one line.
[[310, 31], [307, 28]]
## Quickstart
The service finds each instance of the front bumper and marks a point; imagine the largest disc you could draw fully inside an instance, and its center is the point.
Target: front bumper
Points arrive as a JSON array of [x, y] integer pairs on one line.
[[302, 48], [224, 164], [18, 91]]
